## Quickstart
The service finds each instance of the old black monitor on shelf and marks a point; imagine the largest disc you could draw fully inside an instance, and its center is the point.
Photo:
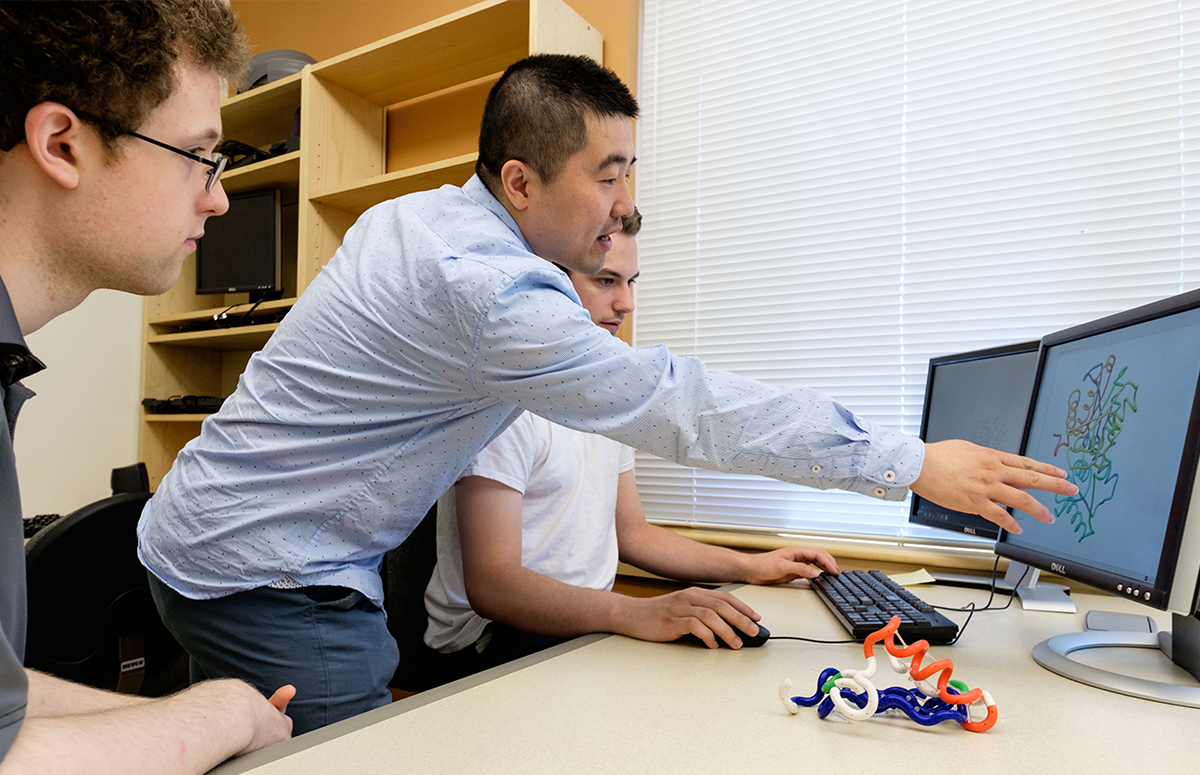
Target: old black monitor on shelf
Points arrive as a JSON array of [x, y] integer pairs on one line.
[[241, 250]]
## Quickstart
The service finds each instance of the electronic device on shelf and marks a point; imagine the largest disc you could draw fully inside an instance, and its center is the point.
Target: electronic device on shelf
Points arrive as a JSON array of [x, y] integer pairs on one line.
[[1116, 403], [240, 154], [33, 525], [241, 251], [864, 601], [183, 405]]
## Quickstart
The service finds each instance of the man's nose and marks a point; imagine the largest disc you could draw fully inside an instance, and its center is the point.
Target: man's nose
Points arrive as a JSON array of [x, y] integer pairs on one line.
[[215, 201], [624, 204], [624, 301]]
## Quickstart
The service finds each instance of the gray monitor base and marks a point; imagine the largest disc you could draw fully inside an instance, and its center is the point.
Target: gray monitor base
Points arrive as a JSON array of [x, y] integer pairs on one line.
[[1053, 654]]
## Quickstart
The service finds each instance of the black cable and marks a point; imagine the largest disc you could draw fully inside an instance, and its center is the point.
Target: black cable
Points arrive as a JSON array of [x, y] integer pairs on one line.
[[971, 609], [220, 321], [219, 318], [247, 313], [988, 605], [813, 640]]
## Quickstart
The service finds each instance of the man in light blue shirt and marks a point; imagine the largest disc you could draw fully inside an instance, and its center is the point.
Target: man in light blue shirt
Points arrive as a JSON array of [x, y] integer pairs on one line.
[[439, 319]]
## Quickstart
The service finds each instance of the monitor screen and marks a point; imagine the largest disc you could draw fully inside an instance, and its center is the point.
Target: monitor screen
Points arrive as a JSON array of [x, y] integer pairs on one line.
[[241, 250], [981, 396], [1115, 405]]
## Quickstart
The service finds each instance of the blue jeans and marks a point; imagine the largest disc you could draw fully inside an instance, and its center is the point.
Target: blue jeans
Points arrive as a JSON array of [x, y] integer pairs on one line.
[[331, 643]]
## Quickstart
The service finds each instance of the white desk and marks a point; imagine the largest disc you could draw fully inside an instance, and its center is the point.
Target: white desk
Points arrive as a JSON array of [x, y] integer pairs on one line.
[[609, 704]]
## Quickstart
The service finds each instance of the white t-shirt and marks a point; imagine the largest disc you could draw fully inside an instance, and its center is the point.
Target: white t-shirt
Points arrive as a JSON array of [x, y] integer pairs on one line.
[[568, 481]]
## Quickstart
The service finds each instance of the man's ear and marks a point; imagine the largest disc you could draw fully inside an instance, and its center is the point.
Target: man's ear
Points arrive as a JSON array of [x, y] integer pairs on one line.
[[520, 183], [55, 137]]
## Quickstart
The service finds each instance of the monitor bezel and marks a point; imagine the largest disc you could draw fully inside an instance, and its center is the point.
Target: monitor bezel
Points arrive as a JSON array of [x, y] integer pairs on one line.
[[1160, 595], [984, 528]]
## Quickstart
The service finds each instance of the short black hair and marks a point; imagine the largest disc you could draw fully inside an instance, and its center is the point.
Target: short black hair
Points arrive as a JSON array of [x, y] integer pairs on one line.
[[114, 60], [537, 113]]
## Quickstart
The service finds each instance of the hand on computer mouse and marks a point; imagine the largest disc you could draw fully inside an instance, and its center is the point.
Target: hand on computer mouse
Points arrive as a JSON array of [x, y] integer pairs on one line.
[[748, 641], [710, 615]]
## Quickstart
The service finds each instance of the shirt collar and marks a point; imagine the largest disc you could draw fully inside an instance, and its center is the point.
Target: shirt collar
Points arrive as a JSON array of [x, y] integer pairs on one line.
[[16, 362], [476, 189]]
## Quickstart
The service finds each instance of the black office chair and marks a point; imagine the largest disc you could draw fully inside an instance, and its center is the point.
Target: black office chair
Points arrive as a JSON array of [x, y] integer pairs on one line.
[[406, 571], [91, 617], [131, 478]]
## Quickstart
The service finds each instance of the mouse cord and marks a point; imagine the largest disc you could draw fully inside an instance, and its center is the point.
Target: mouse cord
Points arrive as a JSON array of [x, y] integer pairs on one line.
[[812, 640]]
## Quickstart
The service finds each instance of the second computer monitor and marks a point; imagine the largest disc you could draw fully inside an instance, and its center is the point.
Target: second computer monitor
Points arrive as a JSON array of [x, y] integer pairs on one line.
[[981, 396]]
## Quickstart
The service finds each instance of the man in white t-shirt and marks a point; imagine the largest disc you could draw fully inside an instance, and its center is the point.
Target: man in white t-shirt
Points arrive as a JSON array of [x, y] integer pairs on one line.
[[529, 537]]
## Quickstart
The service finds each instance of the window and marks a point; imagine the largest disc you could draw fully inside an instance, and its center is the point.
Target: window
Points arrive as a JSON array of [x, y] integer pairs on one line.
[[837, 191]]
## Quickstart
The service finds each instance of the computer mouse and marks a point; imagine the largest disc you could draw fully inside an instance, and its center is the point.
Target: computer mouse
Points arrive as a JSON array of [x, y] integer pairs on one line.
[[748, 641], [757, 639]]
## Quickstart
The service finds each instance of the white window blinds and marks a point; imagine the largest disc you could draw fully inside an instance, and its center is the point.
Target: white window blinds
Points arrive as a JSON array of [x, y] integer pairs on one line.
[[837, 191]]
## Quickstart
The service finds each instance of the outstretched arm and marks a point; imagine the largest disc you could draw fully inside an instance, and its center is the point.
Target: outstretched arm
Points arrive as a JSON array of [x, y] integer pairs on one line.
[[74, 729], [668, 554], [977, 480], [499, 588]]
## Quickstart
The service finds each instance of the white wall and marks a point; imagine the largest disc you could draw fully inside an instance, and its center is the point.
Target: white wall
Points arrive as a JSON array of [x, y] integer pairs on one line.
[[83, 421]]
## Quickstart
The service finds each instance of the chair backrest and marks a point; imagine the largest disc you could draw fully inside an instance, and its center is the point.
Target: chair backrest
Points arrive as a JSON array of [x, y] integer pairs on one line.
[[131, 478], [406, 571], [91, 617]]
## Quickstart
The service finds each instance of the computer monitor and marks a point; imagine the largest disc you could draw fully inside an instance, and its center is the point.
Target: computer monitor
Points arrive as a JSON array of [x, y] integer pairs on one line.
[[242, 250], [1116, 403], [980, 396]]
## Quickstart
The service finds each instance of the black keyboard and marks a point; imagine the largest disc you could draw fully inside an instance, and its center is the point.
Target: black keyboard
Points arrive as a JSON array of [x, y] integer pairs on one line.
[[865, 601]]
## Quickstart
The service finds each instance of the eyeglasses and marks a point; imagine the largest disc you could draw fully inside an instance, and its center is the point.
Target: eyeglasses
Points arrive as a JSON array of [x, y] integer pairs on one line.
[[216, 164]]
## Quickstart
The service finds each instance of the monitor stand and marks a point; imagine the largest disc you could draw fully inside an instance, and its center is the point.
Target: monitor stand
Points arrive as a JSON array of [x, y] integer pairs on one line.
[[258, 297], [1023, 580], [1036, 596], [1181, 646], [972, 580]]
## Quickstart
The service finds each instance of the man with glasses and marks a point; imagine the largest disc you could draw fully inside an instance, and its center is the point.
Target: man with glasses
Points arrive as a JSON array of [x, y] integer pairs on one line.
[[111, 114]]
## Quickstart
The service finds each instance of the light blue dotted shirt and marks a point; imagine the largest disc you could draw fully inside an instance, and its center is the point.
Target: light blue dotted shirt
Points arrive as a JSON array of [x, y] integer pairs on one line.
[[420, 341]]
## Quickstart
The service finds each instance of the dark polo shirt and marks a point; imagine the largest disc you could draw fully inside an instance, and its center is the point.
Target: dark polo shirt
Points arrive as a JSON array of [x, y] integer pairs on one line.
[[16, 363]]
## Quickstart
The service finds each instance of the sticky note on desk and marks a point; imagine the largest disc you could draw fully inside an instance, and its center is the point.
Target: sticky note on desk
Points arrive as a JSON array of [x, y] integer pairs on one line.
[[916, 577]]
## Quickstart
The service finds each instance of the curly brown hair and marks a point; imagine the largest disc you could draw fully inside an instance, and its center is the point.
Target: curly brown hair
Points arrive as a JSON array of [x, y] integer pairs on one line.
[[115, 60]]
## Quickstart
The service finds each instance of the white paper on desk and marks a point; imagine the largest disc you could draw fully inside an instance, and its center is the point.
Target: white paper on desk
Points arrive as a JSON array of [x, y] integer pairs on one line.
[[916, 577]]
